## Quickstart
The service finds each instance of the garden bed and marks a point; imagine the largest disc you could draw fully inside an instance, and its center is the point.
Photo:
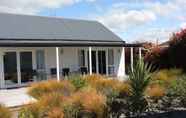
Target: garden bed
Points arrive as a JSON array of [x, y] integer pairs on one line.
[[144, 94]]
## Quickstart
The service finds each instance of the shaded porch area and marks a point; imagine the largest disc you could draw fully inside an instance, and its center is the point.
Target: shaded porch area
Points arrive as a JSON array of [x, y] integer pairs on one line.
[[21, 66]]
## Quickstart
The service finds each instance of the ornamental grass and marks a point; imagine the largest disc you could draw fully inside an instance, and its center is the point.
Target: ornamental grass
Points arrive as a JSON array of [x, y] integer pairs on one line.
[[155, 91], [103, 84], [4, 112], [37, 90]]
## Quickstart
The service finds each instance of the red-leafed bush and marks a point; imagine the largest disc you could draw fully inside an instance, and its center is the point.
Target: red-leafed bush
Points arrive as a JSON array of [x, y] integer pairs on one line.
[[172, 56]]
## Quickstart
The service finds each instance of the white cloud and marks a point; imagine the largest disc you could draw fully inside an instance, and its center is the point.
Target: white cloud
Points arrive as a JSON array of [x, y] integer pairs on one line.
[[120, 19], [124, 17], [154, 34], [34, 6], [183, 25], [164, 9]]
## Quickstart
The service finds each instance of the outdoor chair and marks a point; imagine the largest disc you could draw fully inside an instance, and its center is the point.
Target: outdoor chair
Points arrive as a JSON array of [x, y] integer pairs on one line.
[[83, 70], [53, 71], [65, 71]]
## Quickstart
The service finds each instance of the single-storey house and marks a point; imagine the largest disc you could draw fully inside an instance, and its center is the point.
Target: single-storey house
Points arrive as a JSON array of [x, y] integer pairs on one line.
[[35, 48]]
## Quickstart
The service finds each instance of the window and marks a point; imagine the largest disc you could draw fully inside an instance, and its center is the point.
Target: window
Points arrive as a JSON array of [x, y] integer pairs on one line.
[[111, 61], [110, 57], [81, 58], [40, 59]]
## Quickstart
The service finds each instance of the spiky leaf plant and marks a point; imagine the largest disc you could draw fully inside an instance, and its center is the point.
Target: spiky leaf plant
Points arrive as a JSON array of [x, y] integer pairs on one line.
[[139, 77]]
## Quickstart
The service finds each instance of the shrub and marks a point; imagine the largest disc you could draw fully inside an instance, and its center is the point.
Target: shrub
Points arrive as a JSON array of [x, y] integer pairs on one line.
[[178, 89], [86, 100], [139, 78], [105, 85], [171, 56], [38, 90], [4, 112], [93, 101], [78, 81], [44, 107], [111, 88], [54, 105], [166, 76]]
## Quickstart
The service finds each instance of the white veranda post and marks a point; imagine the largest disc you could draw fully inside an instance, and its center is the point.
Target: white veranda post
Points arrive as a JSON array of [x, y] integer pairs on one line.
[[140, 56], [124, 70], [57, 63], [121, 69], [132, 58], [90, 60]]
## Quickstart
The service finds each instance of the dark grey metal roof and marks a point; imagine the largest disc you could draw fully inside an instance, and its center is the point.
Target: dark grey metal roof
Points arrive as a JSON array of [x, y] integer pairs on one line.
[[31, 29]]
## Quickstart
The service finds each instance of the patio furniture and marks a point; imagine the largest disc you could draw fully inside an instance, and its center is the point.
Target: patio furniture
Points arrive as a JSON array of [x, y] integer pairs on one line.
[[65, 71], [53, 71], [34, 72], [83, 70]]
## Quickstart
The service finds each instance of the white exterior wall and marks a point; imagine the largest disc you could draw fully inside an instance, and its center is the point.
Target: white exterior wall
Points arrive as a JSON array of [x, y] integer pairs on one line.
[[69, 58]]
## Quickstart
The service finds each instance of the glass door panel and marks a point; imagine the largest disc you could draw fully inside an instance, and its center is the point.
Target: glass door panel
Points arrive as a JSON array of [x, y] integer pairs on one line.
[[102, 62], [26, 67], [40, 64], [94, 64], [10, 68]]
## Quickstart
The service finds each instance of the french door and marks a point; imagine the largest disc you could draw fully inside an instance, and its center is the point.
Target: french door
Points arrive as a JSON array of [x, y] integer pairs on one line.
[[94, 61], [26, 67], [17, 68], [10, 69], [102, 62], [98, 61]]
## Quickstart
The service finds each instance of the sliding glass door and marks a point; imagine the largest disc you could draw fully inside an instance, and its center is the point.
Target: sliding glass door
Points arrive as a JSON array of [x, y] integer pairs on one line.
[[98, 61], [102, 62], [26, 67], [10, 68], [40, 64], [94, 61]]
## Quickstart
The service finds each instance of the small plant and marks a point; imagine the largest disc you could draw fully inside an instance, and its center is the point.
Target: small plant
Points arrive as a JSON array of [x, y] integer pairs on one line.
[[25, 113], [139, 78], [4, 112], [38, 90], [78, 81]]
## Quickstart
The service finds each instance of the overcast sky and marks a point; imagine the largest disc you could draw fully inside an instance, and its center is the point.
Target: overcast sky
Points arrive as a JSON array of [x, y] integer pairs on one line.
[[133, 20]]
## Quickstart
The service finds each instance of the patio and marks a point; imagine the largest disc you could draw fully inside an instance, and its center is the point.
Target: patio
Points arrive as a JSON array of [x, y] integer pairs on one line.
[[15, 97]]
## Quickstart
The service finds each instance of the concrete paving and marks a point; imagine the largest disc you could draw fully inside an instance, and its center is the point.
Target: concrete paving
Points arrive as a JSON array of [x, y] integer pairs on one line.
[[15, 97]]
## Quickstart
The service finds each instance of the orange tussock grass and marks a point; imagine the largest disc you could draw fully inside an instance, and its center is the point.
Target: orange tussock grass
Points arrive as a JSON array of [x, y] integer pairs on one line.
[[55, 113], [100, 82], [4, 112], [155, 91], [37, 90]]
